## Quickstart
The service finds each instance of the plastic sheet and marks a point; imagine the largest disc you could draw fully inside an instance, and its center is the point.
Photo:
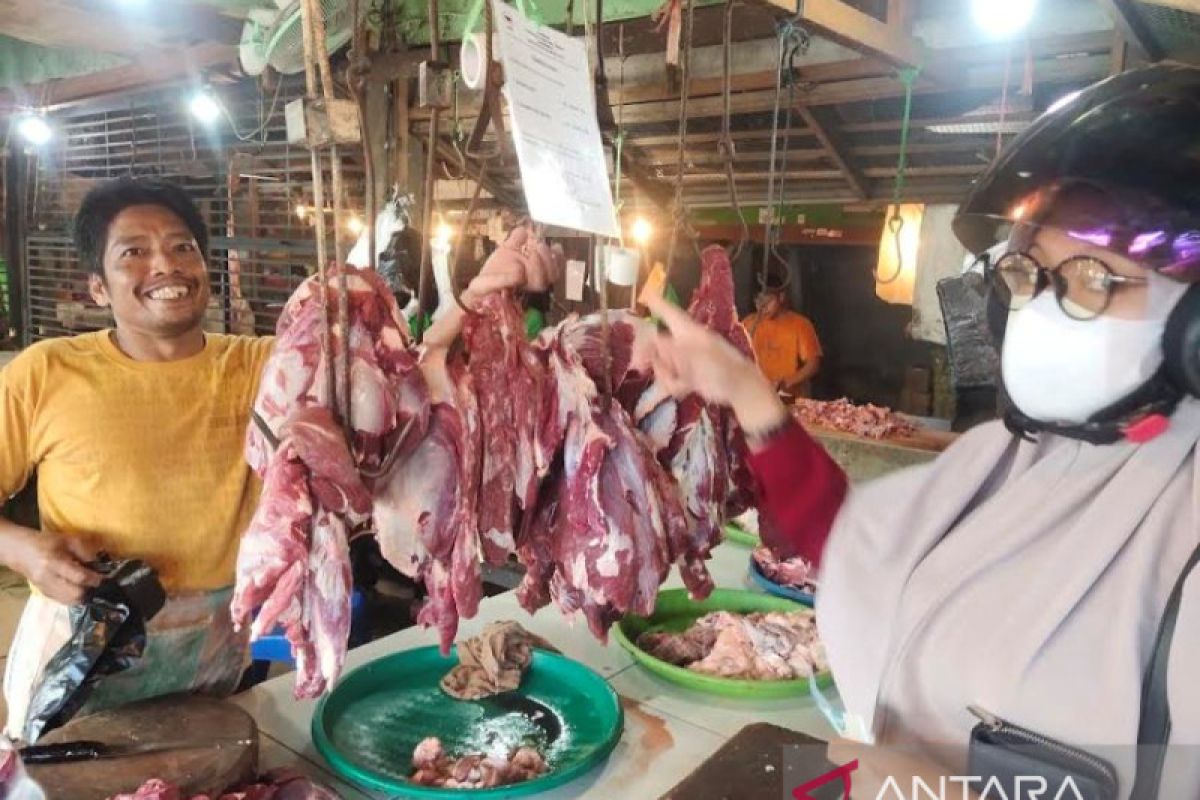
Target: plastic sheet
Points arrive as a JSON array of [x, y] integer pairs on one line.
[[15, 783], [108, 635]]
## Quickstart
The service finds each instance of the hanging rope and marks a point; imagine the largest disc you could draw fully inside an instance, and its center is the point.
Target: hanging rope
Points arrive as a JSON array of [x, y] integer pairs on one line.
[[317, 18], [679, 211], [619, 140], [310, 82], [1003, 104], [457, 137], [425, 282], [356, 76], [895, 223], [726, 145]]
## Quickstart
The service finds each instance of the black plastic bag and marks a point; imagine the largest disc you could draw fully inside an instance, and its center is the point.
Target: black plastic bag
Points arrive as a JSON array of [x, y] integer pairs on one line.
[[108, 635]]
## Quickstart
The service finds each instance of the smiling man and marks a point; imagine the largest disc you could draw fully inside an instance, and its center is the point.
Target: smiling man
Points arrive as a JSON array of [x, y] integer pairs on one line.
[[135, 434]]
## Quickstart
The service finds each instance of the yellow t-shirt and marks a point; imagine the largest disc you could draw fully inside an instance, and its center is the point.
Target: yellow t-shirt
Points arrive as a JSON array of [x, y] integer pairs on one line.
[[144, 459], [783, 344]]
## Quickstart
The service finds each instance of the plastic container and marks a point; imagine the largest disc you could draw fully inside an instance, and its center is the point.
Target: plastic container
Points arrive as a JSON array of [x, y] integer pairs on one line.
[[676, 611]]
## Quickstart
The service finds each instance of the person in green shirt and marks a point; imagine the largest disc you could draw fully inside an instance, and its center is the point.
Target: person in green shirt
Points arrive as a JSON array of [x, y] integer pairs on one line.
[[537, 306]]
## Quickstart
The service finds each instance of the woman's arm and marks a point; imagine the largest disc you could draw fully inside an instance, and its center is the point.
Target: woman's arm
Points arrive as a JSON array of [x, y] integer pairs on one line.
[[801, 487]]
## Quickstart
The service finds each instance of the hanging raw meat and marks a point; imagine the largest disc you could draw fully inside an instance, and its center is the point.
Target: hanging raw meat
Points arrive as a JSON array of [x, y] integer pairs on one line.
[[294, 560], [565, 452], [426, 514], [509, 378]]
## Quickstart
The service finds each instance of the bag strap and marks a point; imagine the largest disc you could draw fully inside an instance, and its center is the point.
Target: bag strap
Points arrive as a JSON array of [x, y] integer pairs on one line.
[[1154, 727]]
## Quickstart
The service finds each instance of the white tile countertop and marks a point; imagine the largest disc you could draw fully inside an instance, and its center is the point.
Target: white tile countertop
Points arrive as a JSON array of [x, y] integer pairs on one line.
[[669, 730]]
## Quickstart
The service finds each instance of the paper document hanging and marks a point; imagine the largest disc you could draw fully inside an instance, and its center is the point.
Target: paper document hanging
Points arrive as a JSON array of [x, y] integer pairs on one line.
[[548, 84]]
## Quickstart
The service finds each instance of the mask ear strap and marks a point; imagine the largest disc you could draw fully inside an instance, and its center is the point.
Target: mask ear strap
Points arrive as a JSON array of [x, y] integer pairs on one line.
[[1181, 342]]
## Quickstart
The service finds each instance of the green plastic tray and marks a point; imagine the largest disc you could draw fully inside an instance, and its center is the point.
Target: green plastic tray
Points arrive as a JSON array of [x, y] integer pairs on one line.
[[368, 726], [738, 535], [675, 611]]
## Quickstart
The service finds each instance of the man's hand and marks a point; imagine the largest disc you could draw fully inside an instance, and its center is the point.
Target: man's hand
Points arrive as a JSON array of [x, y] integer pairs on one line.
[[523, 262], [694, 359], [54, 564]]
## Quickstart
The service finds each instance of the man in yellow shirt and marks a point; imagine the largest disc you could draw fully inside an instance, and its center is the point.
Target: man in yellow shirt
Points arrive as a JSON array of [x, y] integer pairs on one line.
[[785, 343], [136, 437]]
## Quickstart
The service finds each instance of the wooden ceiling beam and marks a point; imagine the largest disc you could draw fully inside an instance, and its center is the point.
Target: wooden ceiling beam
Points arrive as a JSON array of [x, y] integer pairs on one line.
[[859, 80], [512, 199], [833, 146], [1132, 28], [108, 26], [848, 26], [874, 173], [157, 68], [925, 122]]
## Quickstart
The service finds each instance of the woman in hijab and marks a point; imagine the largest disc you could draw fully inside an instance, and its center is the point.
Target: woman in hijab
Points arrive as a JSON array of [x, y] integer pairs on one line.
[[1029, 575]]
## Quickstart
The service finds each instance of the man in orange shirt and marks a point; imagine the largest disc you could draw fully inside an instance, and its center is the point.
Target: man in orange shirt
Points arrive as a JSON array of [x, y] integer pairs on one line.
[[785, 342]]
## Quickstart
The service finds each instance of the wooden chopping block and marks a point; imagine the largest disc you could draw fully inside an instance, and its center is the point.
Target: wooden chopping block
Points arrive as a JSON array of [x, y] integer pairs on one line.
[[205, 769], [751, 766]]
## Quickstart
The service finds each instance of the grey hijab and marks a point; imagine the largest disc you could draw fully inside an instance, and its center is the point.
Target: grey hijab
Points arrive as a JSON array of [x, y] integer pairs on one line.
[[1027, 578]]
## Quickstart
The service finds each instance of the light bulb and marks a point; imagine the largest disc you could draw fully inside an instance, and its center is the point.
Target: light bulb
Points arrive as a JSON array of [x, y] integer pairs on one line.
[[301, 212], [641, 231], [442, 234], [355, 225], [35, 130], [1002, 18], [204, 108]]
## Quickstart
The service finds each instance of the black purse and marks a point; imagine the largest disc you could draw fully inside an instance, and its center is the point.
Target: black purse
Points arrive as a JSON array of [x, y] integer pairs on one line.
[[1013, 757]]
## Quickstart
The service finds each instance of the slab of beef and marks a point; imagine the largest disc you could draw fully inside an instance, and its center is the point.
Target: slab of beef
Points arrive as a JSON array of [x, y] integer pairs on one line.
[[389, 400], [870, 421], [426, 507], [509, 379], [293, 562], [433, 767], [609, 520], [701, 444], [760, 646]]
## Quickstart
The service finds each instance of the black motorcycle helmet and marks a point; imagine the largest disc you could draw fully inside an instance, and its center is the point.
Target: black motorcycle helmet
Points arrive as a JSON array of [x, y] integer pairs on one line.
[[1131, 145]]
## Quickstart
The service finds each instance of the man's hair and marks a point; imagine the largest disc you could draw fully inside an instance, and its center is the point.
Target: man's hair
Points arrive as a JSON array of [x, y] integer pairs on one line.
[[103, 203]]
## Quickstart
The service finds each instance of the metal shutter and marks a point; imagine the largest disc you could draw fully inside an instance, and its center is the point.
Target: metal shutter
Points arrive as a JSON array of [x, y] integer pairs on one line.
[[247, 190]]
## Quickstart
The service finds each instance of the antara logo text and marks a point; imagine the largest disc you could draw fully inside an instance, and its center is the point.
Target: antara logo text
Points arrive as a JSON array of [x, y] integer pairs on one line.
[[957, 787]]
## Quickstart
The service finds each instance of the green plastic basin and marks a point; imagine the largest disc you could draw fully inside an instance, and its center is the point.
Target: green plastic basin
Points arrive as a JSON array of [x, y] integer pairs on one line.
[[674, 611], [368, 726], [738, 535]]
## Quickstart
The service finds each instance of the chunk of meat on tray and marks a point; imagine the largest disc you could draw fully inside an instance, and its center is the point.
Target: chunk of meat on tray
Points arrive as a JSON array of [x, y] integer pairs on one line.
[[432, 766], [758, 646]]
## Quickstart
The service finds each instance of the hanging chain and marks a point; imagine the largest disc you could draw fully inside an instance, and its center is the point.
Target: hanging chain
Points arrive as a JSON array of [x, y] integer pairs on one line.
[[793, 42], [726, 145], [679, 210], [895, 223]]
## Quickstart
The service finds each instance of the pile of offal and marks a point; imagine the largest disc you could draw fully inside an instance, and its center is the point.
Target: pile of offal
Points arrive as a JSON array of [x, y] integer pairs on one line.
[[564, 452]]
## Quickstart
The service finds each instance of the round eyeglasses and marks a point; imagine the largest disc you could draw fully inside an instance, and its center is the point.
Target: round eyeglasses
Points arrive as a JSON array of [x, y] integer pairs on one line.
[[1082, 285]]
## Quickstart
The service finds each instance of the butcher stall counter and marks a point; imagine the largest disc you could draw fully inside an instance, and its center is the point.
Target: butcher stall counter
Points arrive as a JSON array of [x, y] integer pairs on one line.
[[865, 459], [669, 730]]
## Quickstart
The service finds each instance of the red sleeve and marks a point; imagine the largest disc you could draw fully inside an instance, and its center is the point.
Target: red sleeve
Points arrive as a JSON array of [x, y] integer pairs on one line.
[[801, 489]]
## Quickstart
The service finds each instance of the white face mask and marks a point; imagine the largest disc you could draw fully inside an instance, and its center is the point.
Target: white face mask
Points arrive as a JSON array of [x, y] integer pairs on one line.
[[1059, 369]]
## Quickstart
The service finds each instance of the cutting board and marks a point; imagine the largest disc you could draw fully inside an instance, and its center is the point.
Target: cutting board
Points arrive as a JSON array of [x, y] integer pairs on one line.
[[201, 770], [752, 766]]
